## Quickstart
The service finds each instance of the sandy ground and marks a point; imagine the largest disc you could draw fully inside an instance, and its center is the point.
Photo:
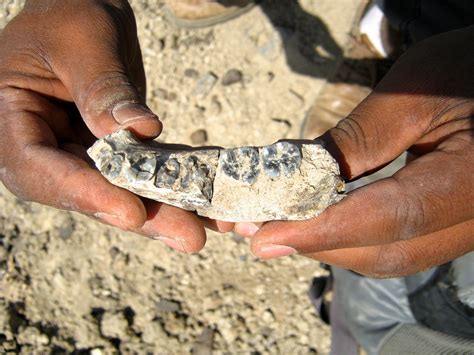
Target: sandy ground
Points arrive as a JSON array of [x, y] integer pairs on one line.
[[70, 284]]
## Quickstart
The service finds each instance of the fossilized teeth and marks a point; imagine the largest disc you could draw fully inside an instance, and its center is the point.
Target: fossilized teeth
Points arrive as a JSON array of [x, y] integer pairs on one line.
[[281, 158], [240, 163], [281, 181]]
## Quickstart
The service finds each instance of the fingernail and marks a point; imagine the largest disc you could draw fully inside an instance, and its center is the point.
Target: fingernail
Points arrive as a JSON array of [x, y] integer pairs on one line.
[[247, 229], [125, 113], [172, 243], [110, 219], [269, 251]]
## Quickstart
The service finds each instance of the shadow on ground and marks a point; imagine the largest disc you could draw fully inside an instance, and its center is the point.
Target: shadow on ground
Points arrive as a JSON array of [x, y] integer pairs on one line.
[[311, 50]]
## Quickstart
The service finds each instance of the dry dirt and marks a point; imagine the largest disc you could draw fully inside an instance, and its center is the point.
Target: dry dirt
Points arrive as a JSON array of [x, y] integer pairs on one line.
[[70, 284]]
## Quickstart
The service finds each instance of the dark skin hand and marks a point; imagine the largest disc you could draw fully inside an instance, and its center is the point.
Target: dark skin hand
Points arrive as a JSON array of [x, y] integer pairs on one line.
[[70, 72], [423, 215]]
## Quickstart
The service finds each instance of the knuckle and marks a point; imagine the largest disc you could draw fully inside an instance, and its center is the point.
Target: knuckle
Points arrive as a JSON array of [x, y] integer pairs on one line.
[[350, 129], [11, 99], [106, 91], [409, 213]]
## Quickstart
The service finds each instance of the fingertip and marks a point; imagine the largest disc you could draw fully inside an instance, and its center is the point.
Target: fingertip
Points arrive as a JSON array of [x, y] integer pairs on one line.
[[246, 229], [217, 226], [179, 244], [138, 119], [144, 124], [270, 251], [145, 129], [279, 238]]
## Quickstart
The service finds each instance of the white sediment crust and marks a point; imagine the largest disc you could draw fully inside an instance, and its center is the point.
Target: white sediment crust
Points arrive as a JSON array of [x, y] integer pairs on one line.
[[283, 181]]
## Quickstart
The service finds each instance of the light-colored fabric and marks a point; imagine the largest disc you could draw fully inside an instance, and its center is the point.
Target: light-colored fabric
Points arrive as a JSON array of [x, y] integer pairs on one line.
[[370, 27], [464, 278], [372, 307], [415, 339], [375, 310]]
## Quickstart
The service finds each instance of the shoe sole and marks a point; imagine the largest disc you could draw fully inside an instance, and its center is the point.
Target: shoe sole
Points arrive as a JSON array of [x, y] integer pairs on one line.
[[207, 22]]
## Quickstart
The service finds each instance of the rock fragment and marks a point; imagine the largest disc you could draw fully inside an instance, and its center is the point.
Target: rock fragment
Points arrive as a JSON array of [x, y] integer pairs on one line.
[[191, 73], [232, 76], [199, 137], [282, 181], [205, 84]]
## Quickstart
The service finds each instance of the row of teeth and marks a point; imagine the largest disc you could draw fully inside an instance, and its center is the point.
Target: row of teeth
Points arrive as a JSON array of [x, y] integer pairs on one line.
[[242, 164]]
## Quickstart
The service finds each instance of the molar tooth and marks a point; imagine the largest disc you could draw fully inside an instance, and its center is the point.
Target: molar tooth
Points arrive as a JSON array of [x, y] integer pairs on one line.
[[281, 157], [168, 173], [250, 160], [290, 157], [241, 164], [113, 165], [142, 167], [270, 163], [230, 164]]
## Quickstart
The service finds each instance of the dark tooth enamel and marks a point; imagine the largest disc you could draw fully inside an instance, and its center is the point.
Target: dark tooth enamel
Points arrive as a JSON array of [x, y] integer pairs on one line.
[[111, 164], [142, 167], [281, 158], [168, 173], [241, 164]]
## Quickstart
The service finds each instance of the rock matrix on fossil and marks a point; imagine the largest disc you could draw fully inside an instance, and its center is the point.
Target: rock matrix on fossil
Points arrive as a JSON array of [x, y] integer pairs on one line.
[[282, 181]]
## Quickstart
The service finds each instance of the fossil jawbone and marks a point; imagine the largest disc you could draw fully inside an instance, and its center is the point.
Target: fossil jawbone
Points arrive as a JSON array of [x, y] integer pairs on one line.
[[282, 181]]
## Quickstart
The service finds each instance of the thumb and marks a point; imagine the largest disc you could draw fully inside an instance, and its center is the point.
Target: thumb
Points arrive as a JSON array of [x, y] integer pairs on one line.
[[382, 127], [108, 101], [107, 84], [416, 96]]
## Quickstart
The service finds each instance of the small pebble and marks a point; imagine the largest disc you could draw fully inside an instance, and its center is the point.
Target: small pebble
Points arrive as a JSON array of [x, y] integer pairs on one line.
[[191, 73], [162, 94], [66, 229], [199, 137], [205, 84], [168, 306], [231, 77]]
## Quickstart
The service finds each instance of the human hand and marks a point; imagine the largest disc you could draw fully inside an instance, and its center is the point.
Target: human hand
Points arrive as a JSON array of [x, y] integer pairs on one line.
[[71, 71], [421, 216]]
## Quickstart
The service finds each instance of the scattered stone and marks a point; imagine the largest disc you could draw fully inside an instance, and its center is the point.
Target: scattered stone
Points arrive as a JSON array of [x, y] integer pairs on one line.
[[199, 137], [282, 181], [32, 336], [3, 268], [204, 343], [66, 229], [243, 258], [237, 238], [191, 73], [205, 84], [231, 77], [113, 325], [168, 306], [163, 94]]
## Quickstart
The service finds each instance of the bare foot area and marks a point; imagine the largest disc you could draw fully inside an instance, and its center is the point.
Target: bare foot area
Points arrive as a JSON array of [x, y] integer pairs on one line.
[[70, 284]]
